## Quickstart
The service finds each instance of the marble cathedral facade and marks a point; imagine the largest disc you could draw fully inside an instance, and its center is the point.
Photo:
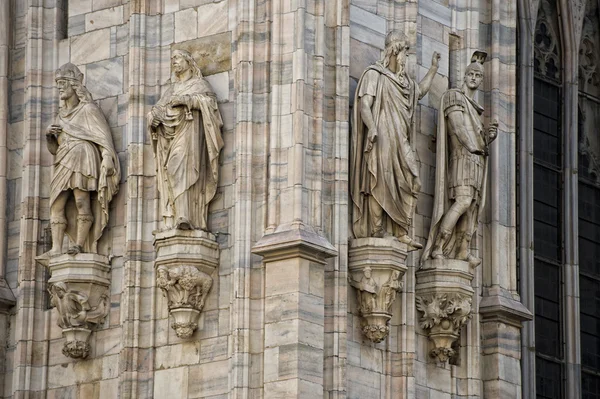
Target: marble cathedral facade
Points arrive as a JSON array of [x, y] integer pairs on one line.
[[187, 186]]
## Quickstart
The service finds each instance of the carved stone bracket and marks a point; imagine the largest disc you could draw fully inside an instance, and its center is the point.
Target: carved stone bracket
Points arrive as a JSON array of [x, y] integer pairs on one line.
[[444, 297], [376, 267], [185, 261], [79, 290]]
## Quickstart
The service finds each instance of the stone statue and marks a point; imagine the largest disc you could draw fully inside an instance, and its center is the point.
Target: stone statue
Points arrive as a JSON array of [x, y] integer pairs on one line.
[[86, 168], [462, 148], [185, 126], [384, 171]]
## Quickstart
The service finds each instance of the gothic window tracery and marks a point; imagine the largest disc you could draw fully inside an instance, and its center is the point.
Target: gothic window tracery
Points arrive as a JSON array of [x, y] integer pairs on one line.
[[546, 45]]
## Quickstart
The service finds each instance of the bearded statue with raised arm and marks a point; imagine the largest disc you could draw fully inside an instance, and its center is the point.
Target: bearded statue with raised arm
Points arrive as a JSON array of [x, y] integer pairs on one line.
[[384, 170]]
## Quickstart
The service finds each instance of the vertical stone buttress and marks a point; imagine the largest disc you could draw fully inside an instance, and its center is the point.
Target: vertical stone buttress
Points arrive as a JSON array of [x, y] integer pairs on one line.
[[501, 312], [294, 247]]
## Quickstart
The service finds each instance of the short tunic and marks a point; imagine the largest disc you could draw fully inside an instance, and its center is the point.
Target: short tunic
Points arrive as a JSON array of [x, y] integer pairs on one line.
[[76, 165], [465, 169]]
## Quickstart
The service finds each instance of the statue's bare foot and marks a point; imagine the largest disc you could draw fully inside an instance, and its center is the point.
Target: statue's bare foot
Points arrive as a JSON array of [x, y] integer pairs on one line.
[[410, 242], [473, 260], [75, 249], [183, 224]]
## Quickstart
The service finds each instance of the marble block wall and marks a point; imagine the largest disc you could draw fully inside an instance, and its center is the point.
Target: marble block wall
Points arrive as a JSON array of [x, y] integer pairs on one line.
[[284, 72]]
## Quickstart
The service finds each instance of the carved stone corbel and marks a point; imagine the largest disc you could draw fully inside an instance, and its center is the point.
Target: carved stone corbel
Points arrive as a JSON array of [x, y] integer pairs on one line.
[[185, 261], [444, 297], [376, 267], [79, 290]]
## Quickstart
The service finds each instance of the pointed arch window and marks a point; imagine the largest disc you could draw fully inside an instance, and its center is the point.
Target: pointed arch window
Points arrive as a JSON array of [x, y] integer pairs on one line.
[[589, 202], [548, 204]]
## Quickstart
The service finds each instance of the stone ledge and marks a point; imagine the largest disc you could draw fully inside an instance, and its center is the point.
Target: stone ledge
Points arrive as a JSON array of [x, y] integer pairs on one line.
[[295, 240], [498, 305], [194, 247]]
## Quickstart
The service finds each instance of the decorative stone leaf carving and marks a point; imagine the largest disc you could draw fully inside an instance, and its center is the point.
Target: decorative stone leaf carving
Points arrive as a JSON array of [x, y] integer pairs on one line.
[[443, 317], [186, 288], [184, 264]]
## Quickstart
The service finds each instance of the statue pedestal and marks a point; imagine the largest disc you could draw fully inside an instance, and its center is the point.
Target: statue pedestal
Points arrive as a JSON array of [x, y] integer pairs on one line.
[[444, 296], [185, 262], [376, 267], [79, 289]]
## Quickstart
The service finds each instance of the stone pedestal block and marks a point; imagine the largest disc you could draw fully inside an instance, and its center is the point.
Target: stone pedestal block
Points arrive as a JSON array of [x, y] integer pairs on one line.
[[376, 267], [444, 296], [79, 290], [185, 262]]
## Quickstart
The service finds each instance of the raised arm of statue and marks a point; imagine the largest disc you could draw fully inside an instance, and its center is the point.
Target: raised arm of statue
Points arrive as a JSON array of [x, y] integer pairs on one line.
[[425, 84]]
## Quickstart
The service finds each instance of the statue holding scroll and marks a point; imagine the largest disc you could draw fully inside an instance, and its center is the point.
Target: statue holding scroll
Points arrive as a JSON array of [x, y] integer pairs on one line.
[[185, 126]]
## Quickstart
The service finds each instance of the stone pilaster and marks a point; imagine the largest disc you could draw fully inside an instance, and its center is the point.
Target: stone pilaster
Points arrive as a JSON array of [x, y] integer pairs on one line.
[[294, 262]]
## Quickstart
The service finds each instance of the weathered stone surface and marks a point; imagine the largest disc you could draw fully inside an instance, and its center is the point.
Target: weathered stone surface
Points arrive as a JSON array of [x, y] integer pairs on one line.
[[213, 53]]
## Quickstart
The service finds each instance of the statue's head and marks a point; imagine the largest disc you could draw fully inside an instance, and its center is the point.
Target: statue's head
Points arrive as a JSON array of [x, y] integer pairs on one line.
[[58, 289], [367, 271], [69, 81], [395, 275], [182, 61], [474, 72], [396, 45]]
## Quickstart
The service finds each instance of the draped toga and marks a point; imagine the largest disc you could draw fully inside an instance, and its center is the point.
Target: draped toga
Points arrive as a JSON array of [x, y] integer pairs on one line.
[[388, 171], [187, 146]]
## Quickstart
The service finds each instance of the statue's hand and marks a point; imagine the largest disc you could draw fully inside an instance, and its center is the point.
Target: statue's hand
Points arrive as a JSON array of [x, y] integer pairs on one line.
[[108, 165], [371, 138], [177, 101], [435, 59], [53, 130], [155, 122], [493, 129]]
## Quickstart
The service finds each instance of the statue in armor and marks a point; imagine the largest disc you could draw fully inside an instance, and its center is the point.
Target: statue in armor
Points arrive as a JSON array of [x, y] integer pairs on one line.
[[461, 169]]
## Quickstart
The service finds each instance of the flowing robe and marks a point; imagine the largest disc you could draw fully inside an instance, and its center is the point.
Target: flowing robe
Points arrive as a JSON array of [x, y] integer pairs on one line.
[[388, 171], [458, 171], [186, 146], [84, 139]]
